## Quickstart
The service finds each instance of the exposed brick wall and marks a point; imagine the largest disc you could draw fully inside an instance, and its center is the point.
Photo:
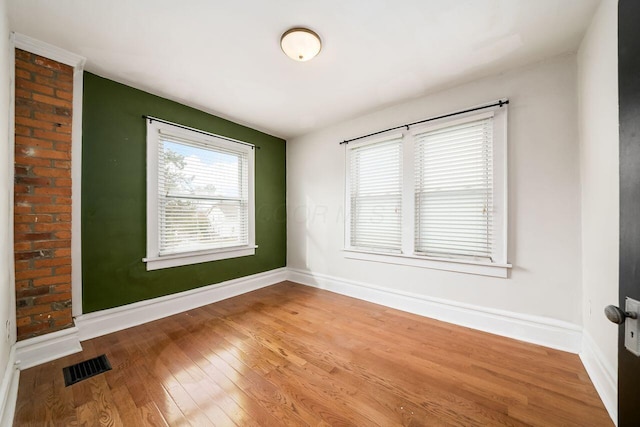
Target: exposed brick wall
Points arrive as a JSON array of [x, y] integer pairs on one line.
[[42, 219]]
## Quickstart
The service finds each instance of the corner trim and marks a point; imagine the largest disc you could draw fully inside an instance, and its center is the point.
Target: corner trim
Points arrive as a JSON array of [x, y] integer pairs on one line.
[[11, 166], [9, 390], [76, 190], [104, 322], [539, 330], [45, 348], [603, 376], [48, 50]]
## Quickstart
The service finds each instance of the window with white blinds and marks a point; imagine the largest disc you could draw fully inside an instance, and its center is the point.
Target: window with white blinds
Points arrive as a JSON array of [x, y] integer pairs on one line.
[[199, 197], [202, 196], [375, 196], [454, 190], [432, 196]]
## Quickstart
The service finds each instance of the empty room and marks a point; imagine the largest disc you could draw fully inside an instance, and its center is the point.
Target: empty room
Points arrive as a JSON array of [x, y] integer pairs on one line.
[[364, 213]]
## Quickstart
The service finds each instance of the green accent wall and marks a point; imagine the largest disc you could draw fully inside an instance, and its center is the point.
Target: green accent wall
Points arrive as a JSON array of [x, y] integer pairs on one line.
[[114, 198]]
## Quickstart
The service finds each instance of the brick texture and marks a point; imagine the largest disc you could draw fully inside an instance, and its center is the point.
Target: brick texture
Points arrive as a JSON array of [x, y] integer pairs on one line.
[[42, 221]]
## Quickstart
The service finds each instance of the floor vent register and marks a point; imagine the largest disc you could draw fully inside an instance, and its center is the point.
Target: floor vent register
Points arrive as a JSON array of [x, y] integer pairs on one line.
[[87, 369]]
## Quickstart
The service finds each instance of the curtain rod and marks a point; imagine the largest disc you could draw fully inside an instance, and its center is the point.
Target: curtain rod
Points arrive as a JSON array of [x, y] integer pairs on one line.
[[151, 119], [498, 103]]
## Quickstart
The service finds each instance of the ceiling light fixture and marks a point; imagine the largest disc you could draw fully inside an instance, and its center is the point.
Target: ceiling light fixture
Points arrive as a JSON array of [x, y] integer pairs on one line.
[[300, 44]]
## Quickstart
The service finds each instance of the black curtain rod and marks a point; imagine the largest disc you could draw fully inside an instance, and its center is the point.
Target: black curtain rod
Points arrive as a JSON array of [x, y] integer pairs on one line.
[[499, 103], [151, 119]]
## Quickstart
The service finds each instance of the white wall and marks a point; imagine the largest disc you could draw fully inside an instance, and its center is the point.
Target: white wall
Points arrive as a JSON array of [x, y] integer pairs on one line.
[[6, 237], [598, 119], [544, 196]]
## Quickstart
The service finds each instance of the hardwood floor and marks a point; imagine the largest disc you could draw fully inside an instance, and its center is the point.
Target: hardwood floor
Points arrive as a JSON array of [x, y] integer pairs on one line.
[[294, 355]]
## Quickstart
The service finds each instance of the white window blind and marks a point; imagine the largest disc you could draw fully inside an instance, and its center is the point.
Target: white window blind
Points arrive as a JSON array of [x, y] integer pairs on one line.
[[203, 198], [375, 192], [453, 191]]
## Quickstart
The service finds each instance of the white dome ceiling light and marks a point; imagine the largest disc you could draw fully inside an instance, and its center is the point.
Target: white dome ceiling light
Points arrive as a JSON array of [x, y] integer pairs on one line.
[[300, 44]]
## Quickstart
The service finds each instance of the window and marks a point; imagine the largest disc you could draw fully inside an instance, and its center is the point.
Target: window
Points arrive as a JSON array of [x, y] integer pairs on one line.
[[454, 190], [200, 204], [433, 196], [376, 196]]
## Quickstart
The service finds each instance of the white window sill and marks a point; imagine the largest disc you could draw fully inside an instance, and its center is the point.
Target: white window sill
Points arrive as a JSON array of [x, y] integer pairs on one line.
[[457, 265], [188, 258]]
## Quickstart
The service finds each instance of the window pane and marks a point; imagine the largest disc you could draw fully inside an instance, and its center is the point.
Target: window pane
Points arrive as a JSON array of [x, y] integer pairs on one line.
[[453, 198], [196, 224], [191, 170], [376, 196], [202, 197]]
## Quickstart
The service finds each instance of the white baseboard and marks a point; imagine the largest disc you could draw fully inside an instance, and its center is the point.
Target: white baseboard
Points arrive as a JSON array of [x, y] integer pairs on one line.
[[533, 329], [603, 376], [9, 390], [36, 351], [104, 322]]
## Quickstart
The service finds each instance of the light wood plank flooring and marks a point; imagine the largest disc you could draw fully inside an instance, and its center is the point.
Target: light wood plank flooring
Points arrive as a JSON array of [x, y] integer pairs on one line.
[[294, 355]]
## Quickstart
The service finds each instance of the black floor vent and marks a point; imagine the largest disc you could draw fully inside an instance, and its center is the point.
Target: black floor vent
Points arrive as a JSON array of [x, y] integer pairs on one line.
[[87, 369]]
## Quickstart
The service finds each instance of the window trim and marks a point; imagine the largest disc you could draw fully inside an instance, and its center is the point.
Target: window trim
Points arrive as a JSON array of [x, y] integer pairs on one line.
[[153, 260], [499, 266], [446, 264]]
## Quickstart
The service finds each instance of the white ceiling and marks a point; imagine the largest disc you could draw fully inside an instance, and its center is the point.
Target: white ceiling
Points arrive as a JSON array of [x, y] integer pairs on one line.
[[224, 56]]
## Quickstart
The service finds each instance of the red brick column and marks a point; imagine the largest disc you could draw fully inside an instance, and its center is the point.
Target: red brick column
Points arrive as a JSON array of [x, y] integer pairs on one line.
[[42, 218]]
